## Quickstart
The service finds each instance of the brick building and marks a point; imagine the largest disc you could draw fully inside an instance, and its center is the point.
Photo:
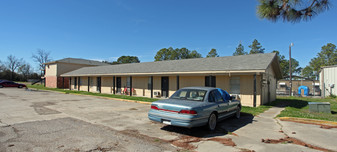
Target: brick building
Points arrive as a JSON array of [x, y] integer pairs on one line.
[[55, 68]]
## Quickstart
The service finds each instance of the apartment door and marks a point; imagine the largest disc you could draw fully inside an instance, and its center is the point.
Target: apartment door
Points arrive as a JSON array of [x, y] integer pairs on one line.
[[119, 84], [99, 84], [164, 86]]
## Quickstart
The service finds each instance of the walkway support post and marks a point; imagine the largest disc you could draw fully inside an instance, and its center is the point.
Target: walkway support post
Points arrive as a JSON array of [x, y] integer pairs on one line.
[[177, 82], [151, 86], [131, 86], [254, 102], [114, 84]]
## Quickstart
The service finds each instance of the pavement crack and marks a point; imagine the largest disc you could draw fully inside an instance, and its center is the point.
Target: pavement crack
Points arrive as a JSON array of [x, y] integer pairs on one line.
[[5, 124], [292, 140]]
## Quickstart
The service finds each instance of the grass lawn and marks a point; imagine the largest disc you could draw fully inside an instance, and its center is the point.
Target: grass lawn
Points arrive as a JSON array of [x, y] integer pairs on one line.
[[255, 110], [41, 87], [298, 107]]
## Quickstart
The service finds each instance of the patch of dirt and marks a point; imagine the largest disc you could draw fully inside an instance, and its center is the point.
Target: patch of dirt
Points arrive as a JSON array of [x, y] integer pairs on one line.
[[327, 127], [234, 134], [224, 141], [2, 94], [293, 141], [246, 150], [185, 141], [324, 126], [115, 147], [133, 109]]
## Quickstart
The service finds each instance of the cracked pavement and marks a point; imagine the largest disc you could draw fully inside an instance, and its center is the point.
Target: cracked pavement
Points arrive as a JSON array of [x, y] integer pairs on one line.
[[50, 121]]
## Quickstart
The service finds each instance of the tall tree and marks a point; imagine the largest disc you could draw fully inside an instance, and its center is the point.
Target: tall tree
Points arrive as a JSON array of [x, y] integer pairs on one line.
[[195, 54], [291, 10], [12, 64], [25, 70], [128, 59], [176, 54], [212, 53], [327, 57], [308, 72], [163, 54], [256, 47], [240, 50], [284, 64], [2, 67], [41, 57]]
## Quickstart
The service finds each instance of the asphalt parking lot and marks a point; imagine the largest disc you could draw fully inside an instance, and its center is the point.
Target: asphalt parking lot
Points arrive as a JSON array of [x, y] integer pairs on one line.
[[51, 121]]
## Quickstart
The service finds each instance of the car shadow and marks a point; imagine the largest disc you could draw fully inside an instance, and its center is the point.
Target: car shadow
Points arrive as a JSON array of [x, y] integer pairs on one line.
[[224, 127]]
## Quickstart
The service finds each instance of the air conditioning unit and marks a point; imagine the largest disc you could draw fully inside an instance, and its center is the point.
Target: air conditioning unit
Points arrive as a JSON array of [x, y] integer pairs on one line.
[[156, 93]]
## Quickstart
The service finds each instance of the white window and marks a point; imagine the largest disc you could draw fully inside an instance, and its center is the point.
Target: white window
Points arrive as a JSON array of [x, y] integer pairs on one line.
[[235, 85]]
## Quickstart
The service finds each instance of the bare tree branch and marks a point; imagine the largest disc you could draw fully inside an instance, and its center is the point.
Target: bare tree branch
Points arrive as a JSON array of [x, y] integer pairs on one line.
[[41, 57], [13, 63]]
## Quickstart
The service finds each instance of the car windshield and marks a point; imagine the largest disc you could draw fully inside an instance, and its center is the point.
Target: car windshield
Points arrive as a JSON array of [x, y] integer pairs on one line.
[[189, 94]]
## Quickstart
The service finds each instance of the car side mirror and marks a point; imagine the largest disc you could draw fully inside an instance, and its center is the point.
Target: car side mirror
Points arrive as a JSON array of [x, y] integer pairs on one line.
[[232, 98]]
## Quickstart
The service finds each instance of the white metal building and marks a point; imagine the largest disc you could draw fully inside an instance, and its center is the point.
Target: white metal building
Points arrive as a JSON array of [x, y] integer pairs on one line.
[[328, 80]]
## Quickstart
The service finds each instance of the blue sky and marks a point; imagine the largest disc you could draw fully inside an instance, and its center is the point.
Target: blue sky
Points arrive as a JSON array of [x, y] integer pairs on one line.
[[108, 29]]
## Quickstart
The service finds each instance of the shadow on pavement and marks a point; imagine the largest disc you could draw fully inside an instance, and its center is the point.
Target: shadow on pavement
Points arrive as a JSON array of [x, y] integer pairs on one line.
[[295, 103], [224, 127]]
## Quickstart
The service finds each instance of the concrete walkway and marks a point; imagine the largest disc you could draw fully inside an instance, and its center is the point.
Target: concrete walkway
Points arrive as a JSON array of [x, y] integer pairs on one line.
[[265, 126]]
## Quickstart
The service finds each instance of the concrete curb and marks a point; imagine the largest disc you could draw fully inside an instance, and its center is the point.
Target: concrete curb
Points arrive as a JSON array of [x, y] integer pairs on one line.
[[309, 121], [118, 99]]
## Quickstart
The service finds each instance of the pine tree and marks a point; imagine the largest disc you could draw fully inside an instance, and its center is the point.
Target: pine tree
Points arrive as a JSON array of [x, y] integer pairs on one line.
[[239, 50], [256, 47], [291, 10], [212, 53]]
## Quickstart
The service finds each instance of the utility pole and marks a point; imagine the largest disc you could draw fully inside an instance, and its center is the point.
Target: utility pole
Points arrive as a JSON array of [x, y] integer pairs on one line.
[[290, 73]]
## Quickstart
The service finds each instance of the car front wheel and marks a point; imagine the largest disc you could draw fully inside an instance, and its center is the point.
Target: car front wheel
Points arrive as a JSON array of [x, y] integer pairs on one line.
[[1, 86], [212, 120], [19, 86]]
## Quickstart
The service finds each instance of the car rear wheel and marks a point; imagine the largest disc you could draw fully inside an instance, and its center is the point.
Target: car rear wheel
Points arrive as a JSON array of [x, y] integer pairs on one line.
[[20, 86], [1, 86], [238, 111], [212, 120]]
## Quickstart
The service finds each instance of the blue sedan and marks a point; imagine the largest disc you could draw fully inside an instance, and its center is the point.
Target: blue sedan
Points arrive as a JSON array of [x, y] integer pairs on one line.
[[195, 106]]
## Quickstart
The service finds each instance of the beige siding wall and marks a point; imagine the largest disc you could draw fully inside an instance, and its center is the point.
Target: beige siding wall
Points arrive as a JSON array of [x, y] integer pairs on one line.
[[247, 90], [93, 84], [140, 85], [51, 70], [268, 86], [106, 85], [156, 85], [67, 67], [223, 82], [173, 85], [192, 81], [84, 84]]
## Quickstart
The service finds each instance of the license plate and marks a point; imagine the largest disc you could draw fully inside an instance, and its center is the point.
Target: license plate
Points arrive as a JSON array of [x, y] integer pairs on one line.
[[167, 122]]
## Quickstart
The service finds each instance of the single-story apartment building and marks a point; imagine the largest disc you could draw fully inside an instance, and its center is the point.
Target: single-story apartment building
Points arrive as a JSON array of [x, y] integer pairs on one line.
[[252, 78], [54, 70], [328, 80]]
